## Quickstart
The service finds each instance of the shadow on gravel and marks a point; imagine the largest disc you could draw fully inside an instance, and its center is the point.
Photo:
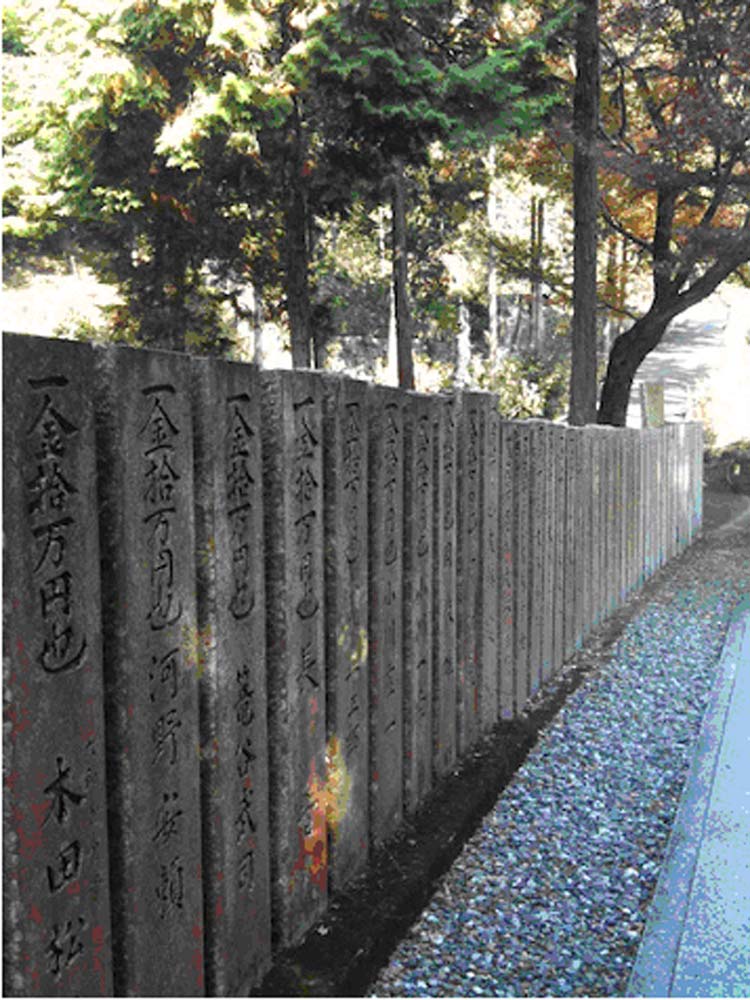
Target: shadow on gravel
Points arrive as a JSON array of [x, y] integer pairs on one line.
[[343, 954]]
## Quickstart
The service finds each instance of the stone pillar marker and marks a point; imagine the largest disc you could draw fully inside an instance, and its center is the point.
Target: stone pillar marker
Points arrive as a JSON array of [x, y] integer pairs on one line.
[[582, 532], [631, 500], [621, 510], [656, 485], [152, 668], [506, 638], [652, 512], [232, 664], [642, 473], [418, 554], [599, 532], [661, 496], [568, 576], [292, 436], [537, 557], [549, 549], [612, 500], [444, 600], [488, 695], [674, 465], [521, 469], [698, 502], [347, 638], [386, 495], [685, 474], [469, 567], [57, 936], [636, 537]]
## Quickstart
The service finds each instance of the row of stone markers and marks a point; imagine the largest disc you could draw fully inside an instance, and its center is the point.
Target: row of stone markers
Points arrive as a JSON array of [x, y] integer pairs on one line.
[[250, 618]]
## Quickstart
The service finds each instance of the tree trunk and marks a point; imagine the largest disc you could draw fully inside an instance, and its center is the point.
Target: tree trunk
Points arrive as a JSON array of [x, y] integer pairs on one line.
[[585, 201], [536, 331], [400, 280], [463, 345], [515, 336], [493, 340], [258, 346], [391, 357], [628, 351], [296, 278]]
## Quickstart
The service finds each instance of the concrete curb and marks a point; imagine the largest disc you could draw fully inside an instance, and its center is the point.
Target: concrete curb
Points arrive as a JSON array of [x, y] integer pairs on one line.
[[697, 936]]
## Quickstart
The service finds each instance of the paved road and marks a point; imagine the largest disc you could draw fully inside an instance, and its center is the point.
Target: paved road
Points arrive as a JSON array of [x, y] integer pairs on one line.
[[705, 355], [697, 939]]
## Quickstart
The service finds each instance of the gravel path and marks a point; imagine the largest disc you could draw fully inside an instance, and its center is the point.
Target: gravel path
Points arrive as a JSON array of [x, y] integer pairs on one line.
[[549, 897]]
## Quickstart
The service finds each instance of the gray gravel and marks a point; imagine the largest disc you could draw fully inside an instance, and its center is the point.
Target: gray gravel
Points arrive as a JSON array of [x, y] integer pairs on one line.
[[549, 896]]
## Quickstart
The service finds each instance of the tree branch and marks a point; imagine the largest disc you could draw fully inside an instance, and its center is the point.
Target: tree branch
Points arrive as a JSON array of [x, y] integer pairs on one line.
[[619, 228], [718, 272], [666, 199]]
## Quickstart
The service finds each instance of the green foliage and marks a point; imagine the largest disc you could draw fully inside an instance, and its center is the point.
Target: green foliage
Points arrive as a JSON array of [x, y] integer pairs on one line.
[[181, 131], [530, 387], [15, 33]]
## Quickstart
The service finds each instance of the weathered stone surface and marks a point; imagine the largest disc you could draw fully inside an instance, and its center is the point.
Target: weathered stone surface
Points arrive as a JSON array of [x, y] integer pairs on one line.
[[587, 527], [232, 657], [650, 514], [674, 490], [661, 484], [599, 551], [444, 586], [652, 404], [556, 533], [568, 584], [686, 458], [652, 530], [612, 517], [292, 436], [583, 529], [549, 542], [386, 486], [469, 567], [152, 668], [644, 525], [631, 501], [522, 551], [57, 936], [537, 555], [538, 565], [696, 512], [636, 494], [489, 685], [642, 473], [347, 641], [418, 581], [506, 515], [621, 515]]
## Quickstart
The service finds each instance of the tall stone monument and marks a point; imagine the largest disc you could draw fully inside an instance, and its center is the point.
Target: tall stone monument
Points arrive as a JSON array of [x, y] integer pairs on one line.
[[56, 911]]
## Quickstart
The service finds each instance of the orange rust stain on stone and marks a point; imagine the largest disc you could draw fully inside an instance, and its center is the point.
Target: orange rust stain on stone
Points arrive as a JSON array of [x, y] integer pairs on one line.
[[329, 800]]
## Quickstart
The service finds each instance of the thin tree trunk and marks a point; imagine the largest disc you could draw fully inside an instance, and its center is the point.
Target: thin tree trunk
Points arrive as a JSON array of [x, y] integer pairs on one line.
[[391, 358], [493, 340], [296, 278], [585, 200], [536, 332], [517, 324], [258, 347], [400, 280], [463, 345]]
